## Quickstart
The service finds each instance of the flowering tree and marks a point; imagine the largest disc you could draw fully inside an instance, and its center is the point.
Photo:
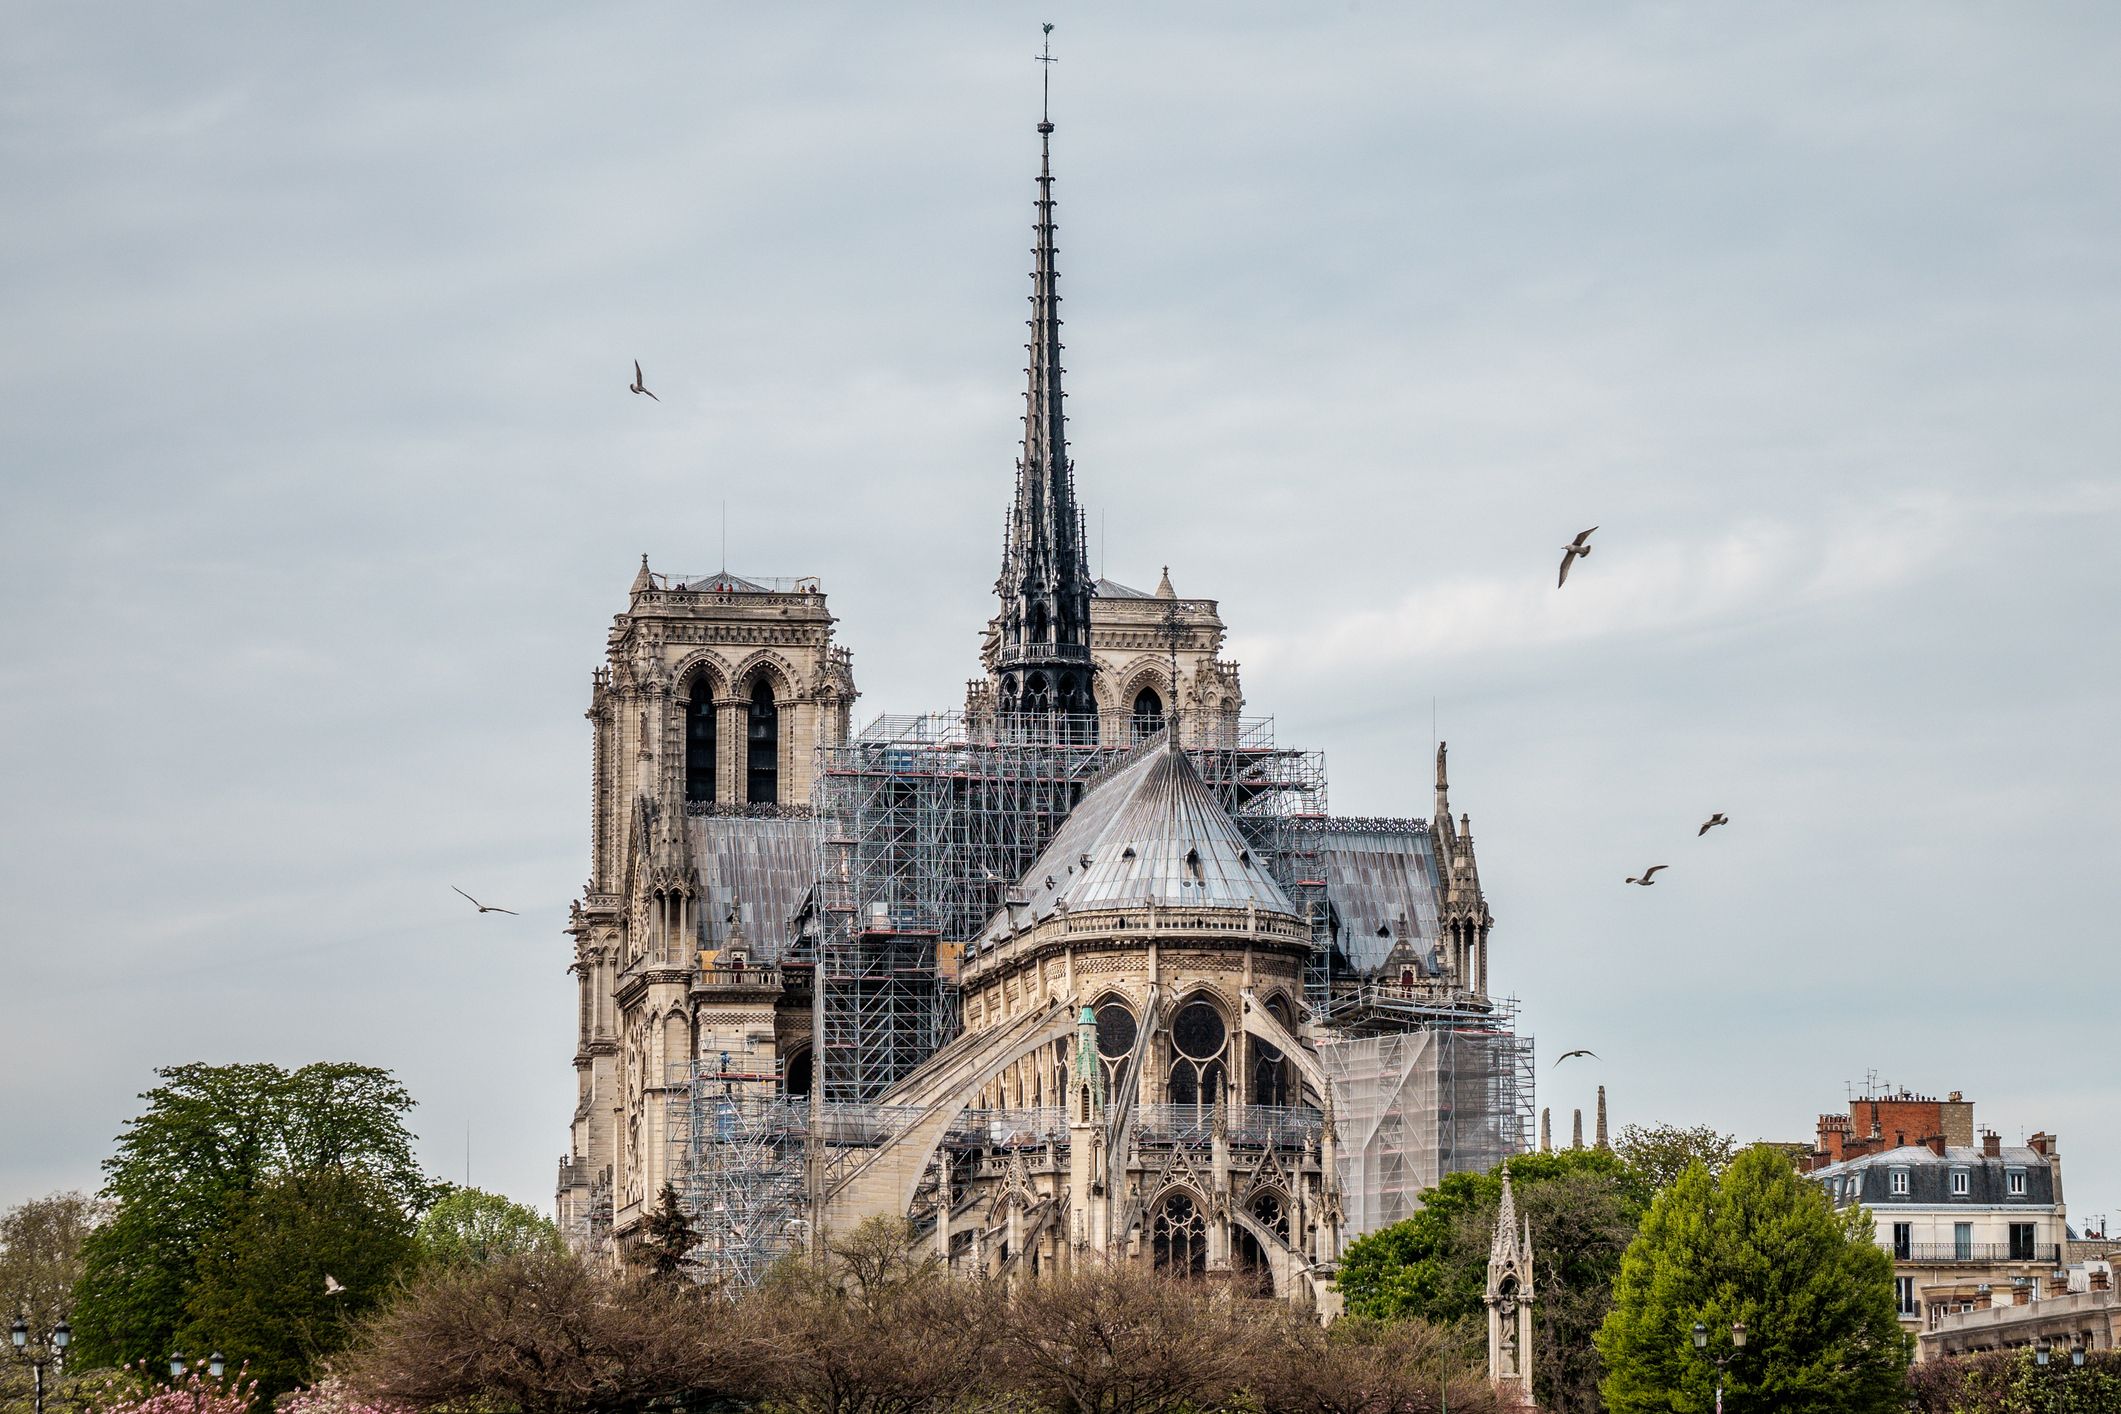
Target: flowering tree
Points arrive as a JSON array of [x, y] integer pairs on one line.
[[332, 1397], [197, 1393]]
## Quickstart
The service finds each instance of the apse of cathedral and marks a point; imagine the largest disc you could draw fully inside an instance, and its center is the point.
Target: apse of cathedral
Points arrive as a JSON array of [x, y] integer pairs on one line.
[[1086, 970]]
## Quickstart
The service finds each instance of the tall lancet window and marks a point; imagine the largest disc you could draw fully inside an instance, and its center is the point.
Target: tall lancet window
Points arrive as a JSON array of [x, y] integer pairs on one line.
[[699, 739], [1148, 714], [1179, 1236], [763, 773], [1200, 1040]]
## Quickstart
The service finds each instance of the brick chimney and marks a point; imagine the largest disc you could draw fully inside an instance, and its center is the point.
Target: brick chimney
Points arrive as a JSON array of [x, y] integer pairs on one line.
[[1991, 1144], [1936, 1144], [2044, 1145]]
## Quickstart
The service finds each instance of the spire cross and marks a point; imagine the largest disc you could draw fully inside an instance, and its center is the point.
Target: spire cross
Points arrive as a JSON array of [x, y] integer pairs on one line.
[[1045, 81], [1171, 628]]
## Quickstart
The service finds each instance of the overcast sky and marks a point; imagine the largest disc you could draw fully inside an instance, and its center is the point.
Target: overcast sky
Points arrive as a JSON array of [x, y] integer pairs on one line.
[[321, 484]]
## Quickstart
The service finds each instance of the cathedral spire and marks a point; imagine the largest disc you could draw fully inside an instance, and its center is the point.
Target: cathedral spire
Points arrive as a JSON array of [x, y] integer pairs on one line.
[[1044, 648]]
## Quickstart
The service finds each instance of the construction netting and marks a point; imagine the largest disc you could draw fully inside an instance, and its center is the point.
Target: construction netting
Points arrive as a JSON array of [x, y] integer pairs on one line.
[[1411, 1107]]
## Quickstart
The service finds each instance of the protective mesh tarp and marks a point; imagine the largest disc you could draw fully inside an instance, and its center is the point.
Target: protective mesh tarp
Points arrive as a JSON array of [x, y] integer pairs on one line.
[[1412, 1107]]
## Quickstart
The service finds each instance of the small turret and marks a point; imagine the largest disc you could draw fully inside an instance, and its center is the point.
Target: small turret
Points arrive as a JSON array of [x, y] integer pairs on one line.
[[642, 580]]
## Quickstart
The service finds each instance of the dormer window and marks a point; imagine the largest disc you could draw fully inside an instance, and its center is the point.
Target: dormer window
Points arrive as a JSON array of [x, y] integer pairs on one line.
[[2014, 1182], [1962, 1183], [1899, 1184]]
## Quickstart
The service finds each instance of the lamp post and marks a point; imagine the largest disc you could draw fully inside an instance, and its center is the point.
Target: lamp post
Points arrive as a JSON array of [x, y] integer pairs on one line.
[[51, 1350], [1701, 1342]]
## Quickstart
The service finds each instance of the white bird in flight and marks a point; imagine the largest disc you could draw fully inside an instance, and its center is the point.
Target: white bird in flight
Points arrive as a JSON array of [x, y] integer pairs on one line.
[[639, 385], [1719, 818], [1573, 551], [1645, 877], [486, 907], [331, 1285]]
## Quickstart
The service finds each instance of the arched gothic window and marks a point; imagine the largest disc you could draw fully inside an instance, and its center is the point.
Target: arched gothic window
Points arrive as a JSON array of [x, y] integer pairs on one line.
[[699, 739], [1179, 1236], [1252, 1274], [1148, 713], [1273, 1081], [1199, 1040], [1038, 698], [795, 1078], [1269, 1212], [1115, 1041], [763, 775]]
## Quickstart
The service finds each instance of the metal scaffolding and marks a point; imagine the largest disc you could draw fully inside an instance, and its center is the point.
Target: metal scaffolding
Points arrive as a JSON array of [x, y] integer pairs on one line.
[[737, 1146], [926, 825]]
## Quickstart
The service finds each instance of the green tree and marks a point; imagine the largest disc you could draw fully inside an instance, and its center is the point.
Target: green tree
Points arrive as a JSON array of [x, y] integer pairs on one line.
[[470, 1226], [40, 1256], [1661, 1152], [309, 1253], [1763, 1246], [186, 1171], [1583, 1205], [668, 1237]]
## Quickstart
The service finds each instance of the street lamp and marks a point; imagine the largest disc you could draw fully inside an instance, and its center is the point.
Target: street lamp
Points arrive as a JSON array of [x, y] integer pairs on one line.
[[2040, 1351], [1701, 1342], [51, 1350], [216, 1364], [2076, 1356], [176, 1365]]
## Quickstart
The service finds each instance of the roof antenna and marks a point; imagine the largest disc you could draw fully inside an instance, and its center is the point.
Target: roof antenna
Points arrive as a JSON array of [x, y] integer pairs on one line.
[[1045, 82], [725, 535]]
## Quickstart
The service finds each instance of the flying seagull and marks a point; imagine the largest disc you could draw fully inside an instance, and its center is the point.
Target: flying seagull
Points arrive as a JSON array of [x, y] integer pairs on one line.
[[1576, 549], [486, 907], [1566, 1055], [332, 1286], [639, 386], [1645, 878], [1719, 818]]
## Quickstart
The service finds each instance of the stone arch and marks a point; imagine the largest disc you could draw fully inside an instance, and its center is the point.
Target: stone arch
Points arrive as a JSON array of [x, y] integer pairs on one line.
[[700, 661], [1281, 1256], [1178, 1222], [764, 661]]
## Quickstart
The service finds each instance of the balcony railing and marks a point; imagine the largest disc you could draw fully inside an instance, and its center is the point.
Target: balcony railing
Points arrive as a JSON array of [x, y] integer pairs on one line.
[[2048, 1253]]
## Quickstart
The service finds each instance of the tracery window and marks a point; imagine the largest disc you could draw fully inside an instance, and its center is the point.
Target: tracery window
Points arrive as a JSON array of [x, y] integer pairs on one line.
[[1179, 1236], [1116, 1031], [1271, 1214], [1148, 713], [1199, 1039], [699, 739], [762, 785], [1273, 1081]]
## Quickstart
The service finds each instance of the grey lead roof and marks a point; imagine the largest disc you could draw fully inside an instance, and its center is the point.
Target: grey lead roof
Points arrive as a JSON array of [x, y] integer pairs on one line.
[[1383, 885], [1112, 589], [1149, 832], [763, 867]]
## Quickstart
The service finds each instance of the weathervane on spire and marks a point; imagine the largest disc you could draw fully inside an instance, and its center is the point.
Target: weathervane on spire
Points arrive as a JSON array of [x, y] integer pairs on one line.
[[1045, 82]]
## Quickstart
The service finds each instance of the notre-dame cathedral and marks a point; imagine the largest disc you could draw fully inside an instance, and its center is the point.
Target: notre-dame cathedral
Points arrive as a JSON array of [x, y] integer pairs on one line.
[[1084, 969]]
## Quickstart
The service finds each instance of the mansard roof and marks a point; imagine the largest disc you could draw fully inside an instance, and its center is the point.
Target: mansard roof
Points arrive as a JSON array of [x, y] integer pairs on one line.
[[1113, 589], [1149, 832]]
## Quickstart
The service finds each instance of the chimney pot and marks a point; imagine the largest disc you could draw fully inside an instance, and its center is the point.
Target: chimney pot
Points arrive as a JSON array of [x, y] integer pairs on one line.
[[1992, 1144]]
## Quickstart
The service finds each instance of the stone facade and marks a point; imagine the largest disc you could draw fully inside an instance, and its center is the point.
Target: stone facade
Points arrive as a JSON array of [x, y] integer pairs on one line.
[[715, 694], [1152, 1043]]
